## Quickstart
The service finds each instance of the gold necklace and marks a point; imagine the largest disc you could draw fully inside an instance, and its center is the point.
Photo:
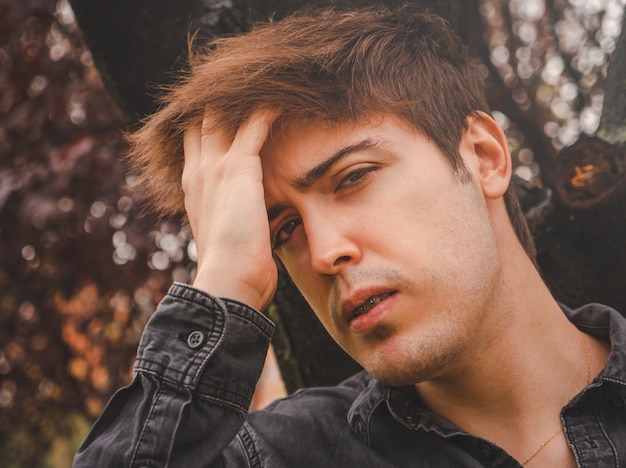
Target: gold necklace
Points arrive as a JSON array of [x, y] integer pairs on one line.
[[560, 429]]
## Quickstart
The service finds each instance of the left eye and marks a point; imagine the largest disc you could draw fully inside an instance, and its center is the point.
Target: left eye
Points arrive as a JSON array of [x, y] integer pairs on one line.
[[355, 177]]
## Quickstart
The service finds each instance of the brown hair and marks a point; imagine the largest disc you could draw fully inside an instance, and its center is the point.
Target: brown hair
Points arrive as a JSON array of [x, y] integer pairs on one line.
[[321, 65]]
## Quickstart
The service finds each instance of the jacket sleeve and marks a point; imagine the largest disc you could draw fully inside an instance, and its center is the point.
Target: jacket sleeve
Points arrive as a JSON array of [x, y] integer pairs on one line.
[[197, 366]]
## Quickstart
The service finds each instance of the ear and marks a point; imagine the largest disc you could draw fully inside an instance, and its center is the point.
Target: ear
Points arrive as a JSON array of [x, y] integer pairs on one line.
[[485, 142]]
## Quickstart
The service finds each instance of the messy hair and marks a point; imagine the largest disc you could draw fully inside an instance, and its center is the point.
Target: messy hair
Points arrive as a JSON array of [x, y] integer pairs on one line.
[[327, 66]]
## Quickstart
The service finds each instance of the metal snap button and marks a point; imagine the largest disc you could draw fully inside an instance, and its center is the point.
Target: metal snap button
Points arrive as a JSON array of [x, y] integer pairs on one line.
[[195, 339]]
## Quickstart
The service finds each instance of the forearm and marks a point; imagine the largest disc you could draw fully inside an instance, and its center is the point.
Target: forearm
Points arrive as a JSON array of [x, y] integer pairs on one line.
[[197, 366]]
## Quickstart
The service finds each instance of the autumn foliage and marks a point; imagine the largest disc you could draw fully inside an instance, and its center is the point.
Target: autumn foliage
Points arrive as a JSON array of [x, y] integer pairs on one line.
[[80, 268]]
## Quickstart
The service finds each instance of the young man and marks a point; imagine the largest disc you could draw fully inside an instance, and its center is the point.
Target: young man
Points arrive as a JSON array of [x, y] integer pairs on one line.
[[356, 149]]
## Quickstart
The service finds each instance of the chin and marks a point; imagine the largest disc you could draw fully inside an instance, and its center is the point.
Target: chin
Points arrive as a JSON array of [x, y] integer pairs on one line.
[[395, 368], [399, 363], [397, 377]]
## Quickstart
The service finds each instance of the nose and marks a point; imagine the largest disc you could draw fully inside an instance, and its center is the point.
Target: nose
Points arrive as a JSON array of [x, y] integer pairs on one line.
[[332, 245]]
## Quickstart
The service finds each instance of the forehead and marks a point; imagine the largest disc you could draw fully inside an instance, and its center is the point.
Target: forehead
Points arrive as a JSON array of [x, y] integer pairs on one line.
[[302, 142]]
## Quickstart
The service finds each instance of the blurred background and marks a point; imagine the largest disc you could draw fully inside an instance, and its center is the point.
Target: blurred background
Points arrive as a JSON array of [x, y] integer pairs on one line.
[[82, 267]]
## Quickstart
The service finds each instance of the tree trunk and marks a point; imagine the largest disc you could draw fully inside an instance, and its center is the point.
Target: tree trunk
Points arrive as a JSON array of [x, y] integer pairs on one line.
[[582, 242]]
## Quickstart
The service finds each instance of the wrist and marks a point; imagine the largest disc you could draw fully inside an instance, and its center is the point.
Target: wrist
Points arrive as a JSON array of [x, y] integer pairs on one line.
[[223, 285]]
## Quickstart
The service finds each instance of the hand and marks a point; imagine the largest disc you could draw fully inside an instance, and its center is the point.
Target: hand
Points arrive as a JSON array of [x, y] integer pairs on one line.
[[224, 200]]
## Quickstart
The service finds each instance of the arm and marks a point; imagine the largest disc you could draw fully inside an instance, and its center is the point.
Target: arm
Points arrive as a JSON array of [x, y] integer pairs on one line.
[[191, 390], [190, 394]]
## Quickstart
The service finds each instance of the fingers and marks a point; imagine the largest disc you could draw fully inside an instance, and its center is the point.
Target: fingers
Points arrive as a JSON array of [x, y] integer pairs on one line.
[[204, 147], [253, 132], [192, 148], [215, 143], [248, 140], [192, 142]]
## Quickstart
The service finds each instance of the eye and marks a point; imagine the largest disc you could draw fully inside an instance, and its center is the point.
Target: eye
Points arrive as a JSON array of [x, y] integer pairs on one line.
[[283, 235], [355, 177]]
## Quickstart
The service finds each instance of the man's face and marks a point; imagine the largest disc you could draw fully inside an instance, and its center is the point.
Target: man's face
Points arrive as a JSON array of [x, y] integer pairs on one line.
[[397, 258]]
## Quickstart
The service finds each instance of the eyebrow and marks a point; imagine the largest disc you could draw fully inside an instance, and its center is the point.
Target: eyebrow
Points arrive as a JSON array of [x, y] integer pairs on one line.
[[306, 181]]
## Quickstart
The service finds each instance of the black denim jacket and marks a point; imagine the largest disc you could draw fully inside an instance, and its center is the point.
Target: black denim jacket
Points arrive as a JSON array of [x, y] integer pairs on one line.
[[196, 370]]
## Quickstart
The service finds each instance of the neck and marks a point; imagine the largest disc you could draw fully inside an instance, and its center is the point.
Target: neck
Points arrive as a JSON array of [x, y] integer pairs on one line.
[[517, 376]]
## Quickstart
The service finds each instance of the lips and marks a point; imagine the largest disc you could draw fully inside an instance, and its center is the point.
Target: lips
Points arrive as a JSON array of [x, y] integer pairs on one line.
[[370, 303], [362, 301]]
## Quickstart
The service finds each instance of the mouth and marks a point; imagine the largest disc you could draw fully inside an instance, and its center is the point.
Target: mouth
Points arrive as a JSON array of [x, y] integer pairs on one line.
[[369, 304], [362, 301]]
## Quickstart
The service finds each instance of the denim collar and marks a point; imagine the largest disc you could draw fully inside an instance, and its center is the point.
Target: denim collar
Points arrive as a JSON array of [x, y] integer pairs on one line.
[[607, 324]]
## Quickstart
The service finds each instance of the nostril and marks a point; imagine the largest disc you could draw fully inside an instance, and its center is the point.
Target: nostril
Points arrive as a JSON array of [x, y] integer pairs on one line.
[[342, 259]]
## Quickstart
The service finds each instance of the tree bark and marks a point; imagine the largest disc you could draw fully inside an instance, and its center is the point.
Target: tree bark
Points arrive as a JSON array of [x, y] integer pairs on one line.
[[613, 121], [581, 243]]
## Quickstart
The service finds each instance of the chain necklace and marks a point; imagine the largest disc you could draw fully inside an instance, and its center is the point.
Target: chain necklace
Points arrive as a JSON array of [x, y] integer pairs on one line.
[[560, 429]]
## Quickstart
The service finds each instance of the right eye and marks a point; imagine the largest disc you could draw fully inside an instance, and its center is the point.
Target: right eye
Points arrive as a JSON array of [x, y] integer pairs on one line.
[[283, 235]]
